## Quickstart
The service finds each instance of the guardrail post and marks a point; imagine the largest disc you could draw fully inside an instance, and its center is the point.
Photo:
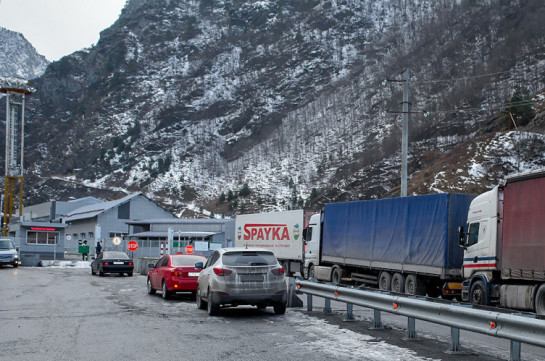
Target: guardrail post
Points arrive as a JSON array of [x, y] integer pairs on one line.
[[411, 329], [309, 302], [349, 316], [293, 300], [454, 340], [377, 323], [515, 351], [327, 307]]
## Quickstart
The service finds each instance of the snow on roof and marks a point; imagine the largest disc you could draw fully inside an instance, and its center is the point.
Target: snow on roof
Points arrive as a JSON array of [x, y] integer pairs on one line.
[[93, 210]]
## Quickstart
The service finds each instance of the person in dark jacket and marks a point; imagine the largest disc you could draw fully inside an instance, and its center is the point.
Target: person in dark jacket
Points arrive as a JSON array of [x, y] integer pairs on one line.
[[98, 248]]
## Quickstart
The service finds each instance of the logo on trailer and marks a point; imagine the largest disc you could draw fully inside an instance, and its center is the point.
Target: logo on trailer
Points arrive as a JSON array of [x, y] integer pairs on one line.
[[261, 232], [296, 231], [239, 232]]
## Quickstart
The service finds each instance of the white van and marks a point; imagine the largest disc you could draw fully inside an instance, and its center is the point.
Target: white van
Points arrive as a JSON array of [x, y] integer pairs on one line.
[[9, 254]]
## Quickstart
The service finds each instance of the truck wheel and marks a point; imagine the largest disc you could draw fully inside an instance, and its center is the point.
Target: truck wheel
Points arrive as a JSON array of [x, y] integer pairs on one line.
[[477, 293], [311, 271], [398, 283], [337, 276], [414, 286], [385, 281], [540, 300]]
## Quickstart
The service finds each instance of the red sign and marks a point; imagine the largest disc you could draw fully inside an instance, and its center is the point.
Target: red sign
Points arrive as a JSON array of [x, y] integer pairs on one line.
[[47, 229], [189, 249], [132, 246]]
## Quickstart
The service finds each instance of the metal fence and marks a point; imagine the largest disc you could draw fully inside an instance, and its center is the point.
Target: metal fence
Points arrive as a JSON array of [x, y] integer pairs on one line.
[[517, 328]]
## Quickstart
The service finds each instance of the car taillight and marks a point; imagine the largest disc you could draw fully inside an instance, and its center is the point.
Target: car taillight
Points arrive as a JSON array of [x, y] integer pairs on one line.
[[278, 271], [130, 263], [222, 271], [106, 263], [177, 273]]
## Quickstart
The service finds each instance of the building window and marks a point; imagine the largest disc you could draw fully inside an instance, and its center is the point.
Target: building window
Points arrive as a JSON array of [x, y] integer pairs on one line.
[[117, 234], [124, 211], [82, 236], [91, 235], [42, 237]]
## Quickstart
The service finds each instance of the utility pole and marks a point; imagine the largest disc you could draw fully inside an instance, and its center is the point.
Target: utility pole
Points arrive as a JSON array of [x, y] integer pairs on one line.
[[405, 135], [16, 90]]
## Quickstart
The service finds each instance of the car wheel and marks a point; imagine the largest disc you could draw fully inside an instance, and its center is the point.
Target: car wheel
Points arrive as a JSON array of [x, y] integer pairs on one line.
[[279, 308], [477, 293], [151, 291], [93, 271], [100, 272], [200, 303], [166, 294], [129, 274], [213, 309], [15, 265]]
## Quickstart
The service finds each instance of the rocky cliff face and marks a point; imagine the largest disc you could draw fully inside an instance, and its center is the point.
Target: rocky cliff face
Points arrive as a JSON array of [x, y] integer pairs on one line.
[[18, 58], [185, 100]]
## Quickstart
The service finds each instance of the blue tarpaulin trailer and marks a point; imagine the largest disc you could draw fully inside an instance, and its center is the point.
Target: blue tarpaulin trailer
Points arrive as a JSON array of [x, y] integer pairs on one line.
[[416, 234]]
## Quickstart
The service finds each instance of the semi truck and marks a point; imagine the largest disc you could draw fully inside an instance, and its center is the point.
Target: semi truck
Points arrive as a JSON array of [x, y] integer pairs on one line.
[[504, 245], [279, 232], [407, 245]]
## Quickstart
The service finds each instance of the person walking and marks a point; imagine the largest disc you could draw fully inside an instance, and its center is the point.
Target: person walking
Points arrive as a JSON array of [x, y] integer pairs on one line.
[[98, 248], [85, 253]]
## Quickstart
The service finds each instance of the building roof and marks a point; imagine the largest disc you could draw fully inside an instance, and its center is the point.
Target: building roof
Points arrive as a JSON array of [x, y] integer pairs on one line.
[[93, 210], [164, 235], [181, 221], [43, 224]]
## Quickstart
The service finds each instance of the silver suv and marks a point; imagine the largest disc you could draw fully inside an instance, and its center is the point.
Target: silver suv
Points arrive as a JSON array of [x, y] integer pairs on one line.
[[8, 253], [241, 276]]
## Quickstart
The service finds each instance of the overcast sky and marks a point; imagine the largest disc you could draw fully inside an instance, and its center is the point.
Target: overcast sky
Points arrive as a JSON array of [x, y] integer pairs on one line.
[[59, 27]]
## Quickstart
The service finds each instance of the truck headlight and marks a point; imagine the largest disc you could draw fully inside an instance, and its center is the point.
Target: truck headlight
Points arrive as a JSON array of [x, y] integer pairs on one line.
[[15, 256]]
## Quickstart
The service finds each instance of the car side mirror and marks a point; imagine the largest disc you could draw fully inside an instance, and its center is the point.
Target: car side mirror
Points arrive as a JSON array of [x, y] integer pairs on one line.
[[199, 265], [461, 237], [17, 249], [151, 265]]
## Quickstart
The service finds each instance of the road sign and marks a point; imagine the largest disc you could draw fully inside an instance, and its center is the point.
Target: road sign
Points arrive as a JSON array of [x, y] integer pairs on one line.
[[189, 249], [132, 246], [116, 241], [68, 237]]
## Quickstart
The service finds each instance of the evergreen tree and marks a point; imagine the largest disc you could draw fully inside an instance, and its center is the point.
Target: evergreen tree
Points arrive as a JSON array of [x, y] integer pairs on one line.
[[245, 190], [222, 197], [520, 109]]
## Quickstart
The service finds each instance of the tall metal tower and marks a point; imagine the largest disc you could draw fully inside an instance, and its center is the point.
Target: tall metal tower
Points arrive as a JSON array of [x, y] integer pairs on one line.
[[16, 90]]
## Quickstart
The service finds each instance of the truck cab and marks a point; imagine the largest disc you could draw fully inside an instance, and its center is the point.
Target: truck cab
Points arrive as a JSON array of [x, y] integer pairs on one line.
[[312, 248], [9, 254], [480, 241]]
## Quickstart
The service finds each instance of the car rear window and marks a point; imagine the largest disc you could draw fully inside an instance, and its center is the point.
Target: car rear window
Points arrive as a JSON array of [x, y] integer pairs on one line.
[[249, 258], [114, 254], [180, 261]]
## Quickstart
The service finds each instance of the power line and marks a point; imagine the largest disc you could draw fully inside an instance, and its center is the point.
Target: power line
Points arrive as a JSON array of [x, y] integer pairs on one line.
[[463, 78]]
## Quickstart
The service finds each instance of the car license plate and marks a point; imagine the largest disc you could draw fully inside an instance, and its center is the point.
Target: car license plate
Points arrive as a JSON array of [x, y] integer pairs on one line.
[[119, 262], [251, 278], [193, 274]]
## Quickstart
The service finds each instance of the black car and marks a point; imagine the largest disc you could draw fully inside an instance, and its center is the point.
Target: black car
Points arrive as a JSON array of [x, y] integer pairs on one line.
[[112, 262]]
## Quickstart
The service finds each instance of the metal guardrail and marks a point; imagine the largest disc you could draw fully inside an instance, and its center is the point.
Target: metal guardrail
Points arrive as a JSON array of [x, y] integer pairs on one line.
[[517, 328]]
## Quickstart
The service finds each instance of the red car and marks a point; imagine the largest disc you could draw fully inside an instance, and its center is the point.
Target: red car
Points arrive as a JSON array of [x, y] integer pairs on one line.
[[174, 273]]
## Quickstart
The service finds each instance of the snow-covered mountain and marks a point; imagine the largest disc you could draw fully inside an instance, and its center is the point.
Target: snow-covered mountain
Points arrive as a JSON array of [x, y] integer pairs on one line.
[[18, 58], [282, 101]]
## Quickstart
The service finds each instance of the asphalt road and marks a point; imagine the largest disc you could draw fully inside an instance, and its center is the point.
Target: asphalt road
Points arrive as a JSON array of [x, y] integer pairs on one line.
[[67, 314]]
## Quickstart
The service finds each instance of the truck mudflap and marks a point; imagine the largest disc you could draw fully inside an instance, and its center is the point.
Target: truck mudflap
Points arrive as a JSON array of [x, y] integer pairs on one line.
[[452, 290]]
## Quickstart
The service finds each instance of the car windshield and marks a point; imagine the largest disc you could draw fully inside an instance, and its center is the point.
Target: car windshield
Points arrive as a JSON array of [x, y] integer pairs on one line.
[[114, 254], [179, 261], [6, 244], [249, 258]]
